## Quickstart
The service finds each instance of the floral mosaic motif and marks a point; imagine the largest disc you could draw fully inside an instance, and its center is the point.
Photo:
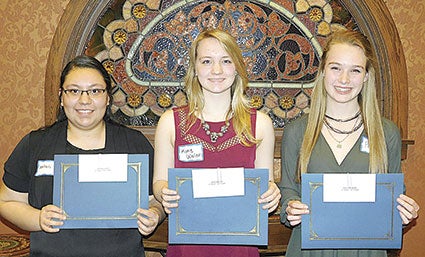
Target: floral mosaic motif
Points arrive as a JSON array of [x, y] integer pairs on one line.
[[316, 14], [319, 11], [144, 45], [119, 37], [109, 66], [165, 101], [286, 102], [257, 101], [274, 48], [134, 100], [139, 11]]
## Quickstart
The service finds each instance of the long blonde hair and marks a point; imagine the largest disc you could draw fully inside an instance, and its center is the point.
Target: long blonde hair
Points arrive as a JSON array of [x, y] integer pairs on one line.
[[240, 109], [378, 160]]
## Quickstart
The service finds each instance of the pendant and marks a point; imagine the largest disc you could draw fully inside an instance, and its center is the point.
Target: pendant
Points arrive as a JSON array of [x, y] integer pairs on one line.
[[213, 137], [338, 146]]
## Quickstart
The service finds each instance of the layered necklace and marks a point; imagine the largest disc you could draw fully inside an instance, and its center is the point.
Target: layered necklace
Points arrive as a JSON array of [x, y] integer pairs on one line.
[[357, 125], [214, 135]]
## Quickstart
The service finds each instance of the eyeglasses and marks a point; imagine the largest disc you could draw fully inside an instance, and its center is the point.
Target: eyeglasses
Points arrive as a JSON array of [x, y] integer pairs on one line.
[[95, 92]]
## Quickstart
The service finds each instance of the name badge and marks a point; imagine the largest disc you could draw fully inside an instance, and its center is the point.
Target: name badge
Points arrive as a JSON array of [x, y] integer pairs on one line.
[[364, 145], [191, 153], [45, 168]]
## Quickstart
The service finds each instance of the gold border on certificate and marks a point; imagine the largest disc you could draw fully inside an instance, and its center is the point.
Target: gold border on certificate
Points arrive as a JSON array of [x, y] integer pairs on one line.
[[388, 236], [254, 231], [135, 166]]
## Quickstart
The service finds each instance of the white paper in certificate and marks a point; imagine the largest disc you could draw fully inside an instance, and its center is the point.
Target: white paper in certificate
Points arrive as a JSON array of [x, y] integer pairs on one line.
[[218, 182], [102, 167], [349, 187]]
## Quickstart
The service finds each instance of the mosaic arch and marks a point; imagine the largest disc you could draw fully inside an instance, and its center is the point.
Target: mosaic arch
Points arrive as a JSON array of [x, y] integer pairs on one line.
[[144, 45]]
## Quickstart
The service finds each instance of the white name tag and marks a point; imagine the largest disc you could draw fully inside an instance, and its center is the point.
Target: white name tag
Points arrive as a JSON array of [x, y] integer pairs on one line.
[[349, 187], [191, 153], [45, 168], [218, 182], [364, 144], [102, 167]]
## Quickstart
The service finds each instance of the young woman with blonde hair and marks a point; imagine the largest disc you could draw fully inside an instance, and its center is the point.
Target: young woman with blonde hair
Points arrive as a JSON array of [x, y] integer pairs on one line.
[[219, 118], [343, 132]]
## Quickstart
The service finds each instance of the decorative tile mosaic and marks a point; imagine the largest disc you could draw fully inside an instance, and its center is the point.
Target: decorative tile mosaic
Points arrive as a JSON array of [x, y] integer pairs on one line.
[[144, 45]]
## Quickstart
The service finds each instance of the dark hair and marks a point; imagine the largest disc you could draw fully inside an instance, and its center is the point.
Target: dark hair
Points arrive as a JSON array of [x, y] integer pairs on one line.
[[84, 61]]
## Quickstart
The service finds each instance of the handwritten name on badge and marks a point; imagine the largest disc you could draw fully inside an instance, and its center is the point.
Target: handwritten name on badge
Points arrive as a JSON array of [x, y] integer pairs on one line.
[[349, 187], [45, 168], [102, 167], [218, 182], [191, 153]]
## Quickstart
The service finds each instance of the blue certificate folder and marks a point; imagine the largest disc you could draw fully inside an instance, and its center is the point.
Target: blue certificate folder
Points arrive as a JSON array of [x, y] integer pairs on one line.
[[100, 204], [232, 220], [370, 225]]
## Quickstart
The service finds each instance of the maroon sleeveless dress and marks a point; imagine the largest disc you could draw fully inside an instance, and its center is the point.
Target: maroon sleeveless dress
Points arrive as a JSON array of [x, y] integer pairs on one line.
[[226, 152]]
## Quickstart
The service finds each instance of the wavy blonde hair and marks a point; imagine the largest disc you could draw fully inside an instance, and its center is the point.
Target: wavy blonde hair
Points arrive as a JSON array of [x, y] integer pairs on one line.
[[378, 160], [240, 108]]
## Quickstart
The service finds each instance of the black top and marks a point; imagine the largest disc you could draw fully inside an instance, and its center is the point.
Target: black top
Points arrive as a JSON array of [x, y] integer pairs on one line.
[[43, 144]]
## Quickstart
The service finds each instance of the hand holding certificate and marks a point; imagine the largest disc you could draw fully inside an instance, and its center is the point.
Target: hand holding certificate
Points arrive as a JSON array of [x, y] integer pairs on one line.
[[355, 220], [238, 218], [101, 190]]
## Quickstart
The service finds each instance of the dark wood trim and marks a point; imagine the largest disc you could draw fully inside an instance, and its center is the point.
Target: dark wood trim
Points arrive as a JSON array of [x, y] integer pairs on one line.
[[278, 238], [404, 144]]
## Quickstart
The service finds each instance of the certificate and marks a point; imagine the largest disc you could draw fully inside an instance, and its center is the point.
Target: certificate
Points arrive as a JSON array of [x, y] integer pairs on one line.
[[93, 196], [228, 220], [364, 224]]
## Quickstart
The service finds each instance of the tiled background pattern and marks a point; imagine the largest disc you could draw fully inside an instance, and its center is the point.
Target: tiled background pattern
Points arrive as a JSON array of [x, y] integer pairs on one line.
[[26, 32]]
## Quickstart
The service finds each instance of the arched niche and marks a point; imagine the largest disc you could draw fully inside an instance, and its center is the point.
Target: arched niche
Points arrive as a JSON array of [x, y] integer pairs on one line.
[[372, 16]]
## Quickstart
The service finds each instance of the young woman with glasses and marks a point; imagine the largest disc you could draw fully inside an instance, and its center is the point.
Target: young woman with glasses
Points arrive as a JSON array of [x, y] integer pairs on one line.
[[83, 126]]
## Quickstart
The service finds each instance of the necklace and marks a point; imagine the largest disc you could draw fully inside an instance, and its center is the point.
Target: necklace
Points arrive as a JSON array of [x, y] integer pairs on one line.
[[338, 131], [343, 120], [215, 135], [347, 133], [339, 142]]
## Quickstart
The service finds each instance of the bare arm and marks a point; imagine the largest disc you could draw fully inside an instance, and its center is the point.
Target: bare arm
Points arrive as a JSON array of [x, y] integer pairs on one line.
[[264, 159], [14, 207], [164, 159]]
